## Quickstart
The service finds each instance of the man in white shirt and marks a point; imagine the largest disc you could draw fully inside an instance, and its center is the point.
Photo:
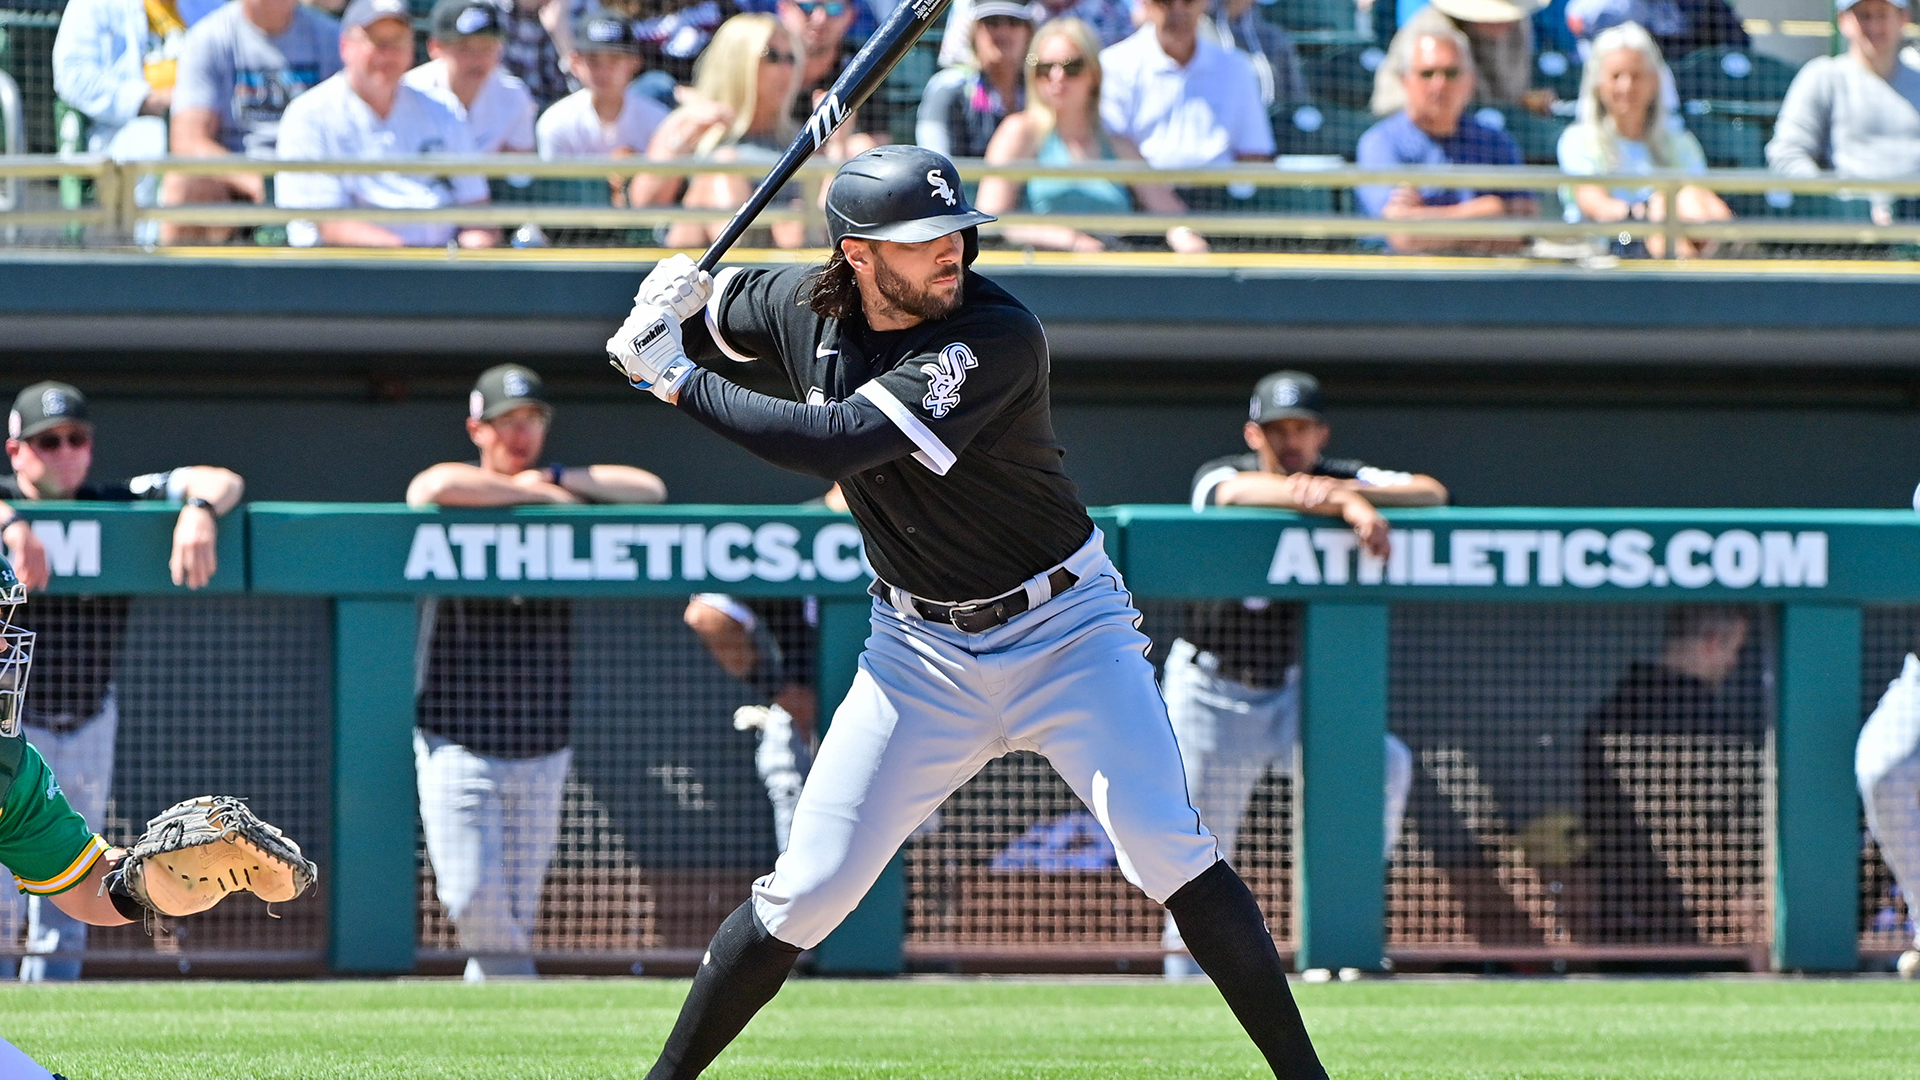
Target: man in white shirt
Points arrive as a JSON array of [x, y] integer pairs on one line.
[[608, 117], [465, 75], [1184, 100], [366, 113]]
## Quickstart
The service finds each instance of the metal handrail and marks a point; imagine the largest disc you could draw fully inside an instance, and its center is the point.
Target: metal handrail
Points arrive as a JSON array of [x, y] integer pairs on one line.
[[15, 118], [116, 181]]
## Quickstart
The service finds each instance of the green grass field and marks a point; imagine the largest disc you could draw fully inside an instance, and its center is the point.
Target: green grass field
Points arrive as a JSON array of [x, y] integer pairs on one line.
[[971, 1029]]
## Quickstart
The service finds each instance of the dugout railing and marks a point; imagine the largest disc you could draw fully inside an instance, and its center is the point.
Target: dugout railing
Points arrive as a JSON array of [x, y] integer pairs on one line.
[[1488, 644]]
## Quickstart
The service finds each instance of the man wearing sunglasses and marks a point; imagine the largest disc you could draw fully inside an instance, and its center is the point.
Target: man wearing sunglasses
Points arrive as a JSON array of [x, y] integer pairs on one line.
[[825, 30], [71, 717]]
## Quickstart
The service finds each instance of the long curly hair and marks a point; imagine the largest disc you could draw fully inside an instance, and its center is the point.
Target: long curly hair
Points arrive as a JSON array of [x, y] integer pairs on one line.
[[834, 292]]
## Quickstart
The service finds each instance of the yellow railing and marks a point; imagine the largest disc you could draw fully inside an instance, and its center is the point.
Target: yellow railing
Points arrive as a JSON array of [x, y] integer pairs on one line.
[[115, 208]]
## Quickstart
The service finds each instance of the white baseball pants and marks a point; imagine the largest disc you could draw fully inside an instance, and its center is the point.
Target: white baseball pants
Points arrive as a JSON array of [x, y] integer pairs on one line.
[[931, 705], [1886, 762], [1231, 734], [491, 825]]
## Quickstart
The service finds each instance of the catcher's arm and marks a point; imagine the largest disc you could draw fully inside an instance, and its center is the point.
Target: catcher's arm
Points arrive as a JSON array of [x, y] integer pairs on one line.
[[89, 901]]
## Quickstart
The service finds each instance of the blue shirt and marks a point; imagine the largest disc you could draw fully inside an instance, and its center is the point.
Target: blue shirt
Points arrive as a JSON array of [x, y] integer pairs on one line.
[[1396, 143]]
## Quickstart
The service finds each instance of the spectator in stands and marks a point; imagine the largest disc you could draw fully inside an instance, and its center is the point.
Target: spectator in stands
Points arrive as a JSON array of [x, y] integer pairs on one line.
[[239, 69], [494, 701], [465, 75], [1623, 129], [1500, 33], [1634, 895], [529, 50], [1679, 27], [72, 715], [821, 27], [1856, 114], [673, 33], [740, 110], [1112, 21], [963, 106], [1061, 125], [608, 116], [367, 113], [1184, 100], [1233, 24], [115, 62], [1434, 66]]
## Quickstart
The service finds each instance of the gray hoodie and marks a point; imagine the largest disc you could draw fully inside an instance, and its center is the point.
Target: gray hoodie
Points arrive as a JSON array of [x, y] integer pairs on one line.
[[1840, 115]]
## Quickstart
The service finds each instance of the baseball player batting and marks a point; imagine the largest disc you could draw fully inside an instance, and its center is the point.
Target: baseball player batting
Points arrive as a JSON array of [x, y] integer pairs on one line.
[[1886, 763], [998, 622]]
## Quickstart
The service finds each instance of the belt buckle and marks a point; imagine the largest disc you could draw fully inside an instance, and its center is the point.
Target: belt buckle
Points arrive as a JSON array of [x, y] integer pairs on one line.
[[956, 614]]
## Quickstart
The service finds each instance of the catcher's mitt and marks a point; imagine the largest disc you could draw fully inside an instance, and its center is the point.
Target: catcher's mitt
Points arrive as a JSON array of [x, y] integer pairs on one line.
[[198, 851]]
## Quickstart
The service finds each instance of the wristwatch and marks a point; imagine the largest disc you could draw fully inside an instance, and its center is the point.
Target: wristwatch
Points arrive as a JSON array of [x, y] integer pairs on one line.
[[202, 504], [555, 473]]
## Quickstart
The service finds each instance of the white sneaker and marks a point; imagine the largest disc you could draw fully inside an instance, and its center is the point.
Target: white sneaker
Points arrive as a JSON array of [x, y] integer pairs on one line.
[[1909, 964]]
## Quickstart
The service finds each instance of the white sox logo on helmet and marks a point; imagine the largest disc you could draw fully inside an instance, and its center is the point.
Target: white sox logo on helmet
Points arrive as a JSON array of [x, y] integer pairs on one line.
[[945, 377], [941, 190]]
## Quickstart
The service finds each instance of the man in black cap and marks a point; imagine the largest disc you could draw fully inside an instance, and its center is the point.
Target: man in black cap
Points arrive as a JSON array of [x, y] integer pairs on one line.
[[366, 112], [1232, 679], [465, 75], [490, 750], [999, 624], [71, 715]]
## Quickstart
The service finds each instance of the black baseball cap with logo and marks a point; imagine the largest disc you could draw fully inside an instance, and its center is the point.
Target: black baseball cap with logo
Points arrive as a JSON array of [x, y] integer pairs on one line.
[[456, 19], [1285, 395], [505, 388], [600, 30], [45, 405]]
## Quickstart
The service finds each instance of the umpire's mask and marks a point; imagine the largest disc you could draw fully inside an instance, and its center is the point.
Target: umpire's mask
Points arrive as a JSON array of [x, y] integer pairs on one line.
[[16, 653]]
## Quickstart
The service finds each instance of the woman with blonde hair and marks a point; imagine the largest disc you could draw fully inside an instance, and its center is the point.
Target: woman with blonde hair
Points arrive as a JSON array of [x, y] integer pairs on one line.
[[1061, 125], [739, 110], [1622, 127]]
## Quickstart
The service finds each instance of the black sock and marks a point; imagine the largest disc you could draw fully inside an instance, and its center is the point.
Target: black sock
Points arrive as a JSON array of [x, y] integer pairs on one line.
[[744, 967], [1228, 938]]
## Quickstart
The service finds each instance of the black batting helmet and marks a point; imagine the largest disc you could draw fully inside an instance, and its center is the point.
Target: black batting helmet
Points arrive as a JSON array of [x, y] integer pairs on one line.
[[902, 193]]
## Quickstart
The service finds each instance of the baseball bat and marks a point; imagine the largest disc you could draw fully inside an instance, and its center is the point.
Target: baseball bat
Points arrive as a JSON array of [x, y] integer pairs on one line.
[[869, 68]]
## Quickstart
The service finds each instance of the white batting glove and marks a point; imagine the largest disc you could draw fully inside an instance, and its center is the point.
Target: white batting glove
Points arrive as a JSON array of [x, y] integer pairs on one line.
[[677, 285], [647, 350]]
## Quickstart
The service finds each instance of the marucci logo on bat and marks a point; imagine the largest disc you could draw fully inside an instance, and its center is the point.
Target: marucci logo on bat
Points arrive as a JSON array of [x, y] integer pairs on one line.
[[825, 120]]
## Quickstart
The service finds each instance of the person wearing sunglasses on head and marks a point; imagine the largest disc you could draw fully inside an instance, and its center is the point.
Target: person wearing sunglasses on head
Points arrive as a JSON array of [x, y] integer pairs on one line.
[[71, 716], [1060, 126], [962, 106], [1434, 66]]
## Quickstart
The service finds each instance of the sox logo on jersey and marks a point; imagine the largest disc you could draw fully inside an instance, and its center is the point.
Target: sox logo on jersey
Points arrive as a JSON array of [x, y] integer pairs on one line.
[[945, 378]]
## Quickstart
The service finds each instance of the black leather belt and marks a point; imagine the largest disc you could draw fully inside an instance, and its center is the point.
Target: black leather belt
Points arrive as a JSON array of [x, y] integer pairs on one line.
[[982, 616]]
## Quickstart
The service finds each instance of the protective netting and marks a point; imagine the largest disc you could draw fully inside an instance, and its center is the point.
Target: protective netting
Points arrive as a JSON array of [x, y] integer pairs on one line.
[[1019, 870], [657, 817], [213, 695], [1589, 780], [1888, 635]]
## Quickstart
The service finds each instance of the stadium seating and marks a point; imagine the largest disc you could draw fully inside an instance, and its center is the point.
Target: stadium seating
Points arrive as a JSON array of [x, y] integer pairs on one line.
[[1341, 74], [1320, 129], [1318, 22], [1733, 81]]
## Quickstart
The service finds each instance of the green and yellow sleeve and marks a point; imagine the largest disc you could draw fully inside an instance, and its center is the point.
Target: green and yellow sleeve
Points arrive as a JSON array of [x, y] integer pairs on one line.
[[43, 841]]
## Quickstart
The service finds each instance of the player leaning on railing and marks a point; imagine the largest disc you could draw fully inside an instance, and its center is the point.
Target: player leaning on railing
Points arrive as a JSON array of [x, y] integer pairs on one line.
[[999, 624]]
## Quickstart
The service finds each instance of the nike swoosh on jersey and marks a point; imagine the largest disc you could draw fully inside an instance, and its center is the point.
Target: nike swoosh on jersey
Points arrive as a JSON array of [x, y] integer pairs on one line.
[[821, 351]]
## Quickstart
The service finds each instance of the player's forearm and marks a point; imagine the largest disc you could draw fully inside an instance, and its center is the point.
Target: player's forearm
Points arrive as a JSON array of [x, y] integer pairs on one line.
[[1419, 491], [1273, 490], [828, 441], [614, 484], [89, 901], [221, 487], [465, 485]]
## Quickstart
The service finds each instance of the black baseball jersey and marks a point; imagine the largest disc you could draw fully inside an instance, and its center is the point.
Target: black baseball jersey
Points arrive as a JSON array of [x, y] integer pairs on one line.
[[941, 435], [1256, 640], [787, 632], [496, 675], [79, 637]]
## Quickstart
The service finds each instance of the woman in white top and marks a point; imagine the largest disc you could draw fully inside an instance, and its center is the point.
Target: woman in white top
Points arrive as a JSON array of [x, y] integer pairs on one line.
[[740, 110], [1622, 128]]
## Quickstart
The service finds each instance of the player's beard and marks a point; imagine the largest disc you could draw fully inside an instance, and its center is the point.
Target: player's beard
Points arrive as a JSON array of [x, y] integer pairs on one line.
[[916, 301]]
